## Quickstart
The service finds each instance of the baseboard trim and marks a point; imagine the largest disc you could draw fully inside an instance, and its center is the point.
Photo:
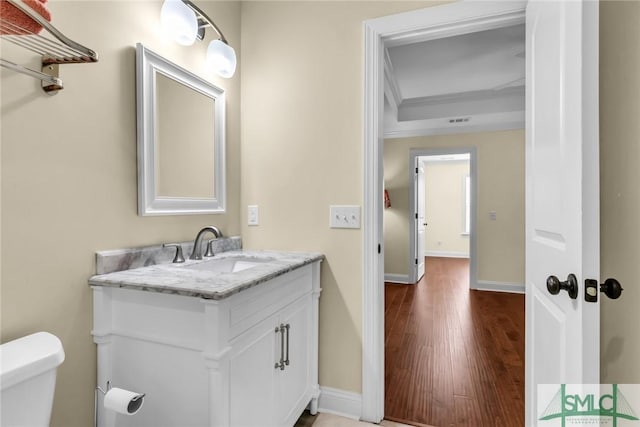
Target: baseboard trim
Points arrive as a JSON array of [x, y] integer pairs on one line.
[[397, 278], [488, 285], [447, 254], [339, 402]]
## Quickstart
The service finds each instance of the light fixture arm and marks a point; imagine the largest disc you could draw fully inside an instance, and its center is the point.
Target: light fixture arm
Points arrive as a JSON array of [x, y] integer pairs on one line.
[[204, 21]]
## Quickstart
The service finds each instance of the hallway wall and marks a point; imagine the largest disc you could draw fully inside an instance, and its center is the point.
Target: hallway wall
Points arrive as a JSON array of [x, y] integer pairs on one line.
[[500, 188]]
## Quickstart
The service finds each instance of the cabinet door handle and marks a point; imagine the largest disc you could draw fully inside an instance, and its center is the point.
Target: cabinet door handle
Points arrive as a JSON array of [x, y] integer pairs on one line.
[[287, 358], [280, 364], [280, 330]]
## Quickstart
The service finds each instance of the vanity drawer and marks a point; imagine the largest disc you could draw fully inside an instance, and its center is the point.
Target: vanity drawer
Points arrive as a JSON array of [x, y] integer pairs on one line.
[[167, 319], [253, 305]]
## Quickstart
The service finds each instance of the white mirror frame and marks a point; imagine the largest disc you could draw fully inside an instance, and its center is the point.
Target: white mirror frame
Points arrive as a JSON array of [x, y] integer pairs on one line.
[[148, 64]]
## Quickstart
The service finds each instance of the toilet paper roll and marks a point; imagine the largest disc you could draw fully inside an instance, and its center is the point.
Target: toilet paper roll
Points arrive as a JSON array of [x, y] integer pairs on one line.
[[123, 401]]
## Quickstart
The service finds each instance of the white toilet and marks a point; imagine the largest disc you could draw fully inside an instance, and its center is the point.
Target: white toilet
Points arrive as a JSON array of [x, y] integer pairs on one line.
[[28, 378]]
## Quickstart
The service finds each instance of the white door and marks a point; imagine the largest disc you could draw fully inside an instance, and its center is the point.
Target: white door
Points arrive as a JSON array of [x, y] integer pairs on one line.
[[562, 218], [421, 223]]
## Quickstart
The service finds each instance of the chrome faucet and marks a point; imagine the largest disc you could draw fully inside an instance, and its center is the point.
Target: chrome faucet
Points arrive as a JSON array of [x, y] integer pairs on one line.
[[197, 244]]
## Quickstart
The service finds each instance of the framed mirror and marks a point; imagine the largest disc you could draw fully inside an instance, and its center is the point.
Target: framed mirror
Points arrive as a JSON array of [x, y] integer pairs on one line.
[[181, 139]]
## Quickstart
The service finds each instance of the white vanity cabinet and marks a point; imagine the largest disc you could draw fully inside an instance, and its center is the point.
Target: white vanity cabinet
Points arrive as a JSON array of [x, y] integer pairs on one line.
[[216, 363], [281, 361]]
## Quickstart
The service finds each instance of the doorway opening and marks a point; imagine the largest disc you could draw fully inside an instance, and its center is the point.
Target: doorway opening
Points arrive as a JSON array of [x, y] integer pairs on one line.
[[443, 208], [395, 35], [440, 212], [562, 338]]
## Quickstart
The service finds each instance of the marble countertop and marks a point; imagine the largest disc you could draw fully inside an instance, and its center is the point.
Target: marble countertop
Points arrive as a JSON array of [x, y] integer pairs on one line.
[[184, 279]]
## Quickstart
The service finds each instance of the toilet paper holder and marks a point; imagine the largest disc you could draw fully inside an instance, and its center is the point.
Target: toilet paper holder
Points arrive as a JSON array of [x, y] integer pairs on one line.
[[119, 400]]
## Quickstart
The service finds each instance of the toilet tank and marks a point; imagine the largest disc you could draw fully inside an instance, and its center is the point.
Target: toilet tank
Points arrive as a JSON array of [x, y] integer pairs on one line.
[[28, 378]]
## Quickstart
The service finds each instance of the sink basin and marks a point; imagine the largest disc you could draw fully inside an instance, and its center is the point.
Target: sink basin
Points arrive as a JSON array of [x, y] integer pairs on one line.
[[229, 265]]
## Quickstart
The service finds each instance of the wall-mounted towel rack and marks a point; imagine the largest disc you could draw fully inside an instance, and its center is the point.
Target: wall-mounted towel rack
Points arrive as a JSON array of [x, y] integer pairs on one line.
[[54, 47]]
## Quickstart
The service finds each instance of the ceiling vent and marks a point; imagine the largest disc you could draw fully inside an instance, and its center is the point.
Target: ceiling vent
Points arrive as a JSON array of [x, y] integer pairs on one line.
[[460, 120]]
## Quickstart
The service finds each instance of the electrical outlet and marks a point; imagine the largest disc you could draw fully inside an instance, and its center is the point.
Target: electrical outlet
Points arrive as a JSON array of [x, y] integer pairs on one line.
[[344, 216], [252, 215]]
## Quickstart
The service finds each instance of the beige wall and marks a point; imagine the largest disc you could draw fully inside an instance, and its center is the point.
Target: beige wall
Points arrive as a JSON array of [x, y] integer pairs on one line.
[[620, 193], [445, 207], [500, 188], [69, 179], [302, 151]]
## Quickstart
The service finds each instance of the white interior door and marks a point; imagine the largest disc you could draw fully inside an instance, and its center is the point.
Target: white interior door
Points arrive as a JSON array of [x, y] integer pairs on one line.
[[562, 213], [420, 219]]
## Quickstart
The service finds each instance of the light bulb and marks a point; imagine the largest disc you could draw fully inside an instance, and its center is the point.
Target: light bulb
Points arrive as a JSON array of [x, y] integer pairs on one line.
[[179, 22], [221, 58]]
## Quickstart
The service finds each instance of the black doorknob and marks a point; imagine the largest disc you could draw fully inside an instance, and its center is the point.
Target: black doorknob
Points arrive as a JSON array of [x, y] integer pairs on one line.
[[554, 286], [611, 288]]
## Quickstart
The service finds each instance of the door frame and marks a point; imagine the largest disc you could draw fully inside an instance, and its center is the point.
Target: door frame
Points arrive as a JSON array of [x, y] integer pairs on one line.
[[421, 25], [415, 153]]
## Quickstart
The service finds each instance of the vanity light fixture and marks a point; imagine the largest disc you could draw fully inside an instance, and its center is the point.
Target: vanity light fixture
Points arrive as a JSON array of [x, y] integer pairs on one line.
[[185, 22], [179, 22]]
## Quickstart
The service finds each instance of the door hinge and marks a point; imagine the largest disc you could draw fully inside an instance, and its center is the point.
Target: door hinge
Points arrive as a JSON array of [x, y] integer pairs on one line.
[[379, 248], [416, 171], [416, 215], [416, 261]]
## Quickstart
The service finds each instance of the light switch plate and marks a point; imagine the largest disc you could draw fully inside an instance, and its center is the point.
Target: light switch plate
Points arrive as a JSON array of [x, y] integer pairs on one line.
[[252, 215], [493, 215], [344, 216]]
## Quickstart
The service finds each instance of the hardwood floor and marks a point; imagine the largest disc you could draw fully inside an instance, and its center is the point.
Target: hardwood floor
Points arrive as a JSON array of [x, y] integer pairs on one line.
[[453, 357]]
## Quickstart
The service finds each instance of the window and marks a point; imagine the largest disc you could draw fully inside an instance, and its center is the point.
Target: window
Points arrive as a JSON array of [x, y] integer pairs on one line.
[[466, 210]]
